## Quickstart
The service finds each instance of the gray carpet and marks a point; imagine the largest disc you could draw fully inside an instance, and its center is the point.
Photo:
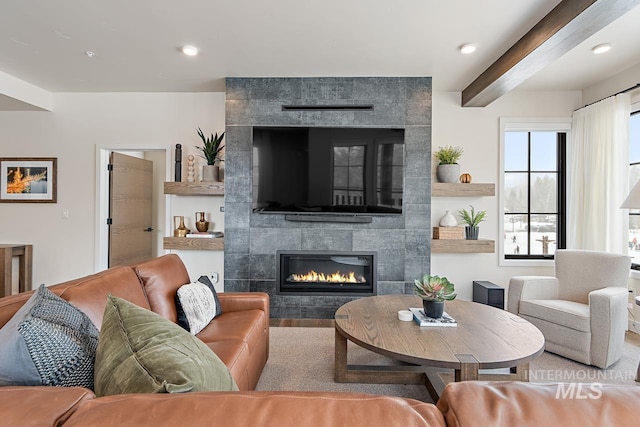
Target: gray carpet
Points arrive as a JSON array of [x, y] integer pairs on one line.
[[302, 359]]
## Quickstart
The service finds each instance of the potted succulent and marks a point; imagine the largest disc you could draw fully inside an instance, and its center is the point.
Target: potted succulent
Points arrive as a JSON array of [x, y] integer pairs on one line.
[[434, 291], [473, 220], [211, 149], [448, 169]]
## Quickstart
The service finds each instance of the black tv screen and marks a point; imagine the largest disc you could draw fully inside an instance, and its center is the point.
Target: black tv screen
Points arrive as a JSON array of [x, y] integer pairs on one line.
[[327, 170]]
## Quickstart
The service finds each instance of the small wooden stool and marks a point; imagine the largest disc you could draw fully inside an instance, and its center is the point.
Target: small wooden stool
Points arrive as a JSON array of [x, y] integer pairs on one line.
[[24, 253]]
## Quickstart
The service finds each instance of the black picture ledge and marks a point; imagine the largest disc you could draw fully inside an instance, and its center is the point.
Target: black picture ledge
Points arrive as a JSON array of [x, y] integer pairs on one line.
[[335, 107]]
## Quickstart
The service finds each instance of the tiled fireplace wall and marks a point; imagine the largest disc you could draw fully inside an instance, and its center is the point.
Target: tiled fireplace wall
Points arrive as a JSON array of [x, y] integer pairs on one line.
[[252, 239]]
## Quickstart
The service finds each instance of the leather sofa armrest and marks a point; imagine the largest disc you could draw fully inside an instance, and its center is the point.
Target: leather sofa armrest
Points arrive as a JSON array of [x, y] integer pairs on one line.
[[513, 403], [41, 405], [608, 314], [528, 288], [238, 301]]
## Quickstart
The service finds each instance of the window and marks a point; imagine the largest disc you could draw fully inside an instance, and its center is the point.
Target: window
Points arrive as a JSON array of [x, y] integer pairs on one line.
[[348, 174], [390, 166], [634, 177], [356, 184], [533, 190]]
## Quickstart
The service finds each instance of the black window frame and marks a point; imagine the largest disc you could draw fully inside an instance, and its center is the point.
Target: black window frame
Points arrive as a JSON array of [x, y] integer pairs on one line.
[[561, 190], [634, 266]]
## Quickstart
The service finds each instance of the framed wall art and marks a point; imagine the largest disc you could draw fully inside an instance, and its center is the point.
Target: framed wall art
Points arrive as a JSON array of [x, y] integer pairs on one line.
[[28, 180]]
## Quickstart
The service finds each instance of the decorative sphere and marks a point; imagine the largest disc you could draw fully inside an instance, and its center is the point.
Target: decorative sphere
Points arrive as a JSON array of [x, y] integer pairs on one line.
[[465, 178]]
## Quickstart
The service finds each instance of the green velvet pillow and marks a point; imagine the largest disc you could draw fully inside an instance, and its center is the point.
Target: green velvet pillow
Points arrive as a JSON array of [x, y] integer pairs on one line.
[[141, 352]]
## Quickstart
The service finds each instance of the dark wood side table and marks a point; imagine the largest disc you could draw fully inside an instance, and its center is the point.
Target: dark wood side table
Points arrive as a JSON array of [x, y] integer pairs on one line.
[[24, 254]]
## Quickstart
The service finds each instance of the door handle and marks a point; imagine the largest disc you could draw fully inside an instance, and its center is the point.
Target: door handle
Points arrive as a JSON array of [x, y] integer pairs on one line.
[[149, 229]]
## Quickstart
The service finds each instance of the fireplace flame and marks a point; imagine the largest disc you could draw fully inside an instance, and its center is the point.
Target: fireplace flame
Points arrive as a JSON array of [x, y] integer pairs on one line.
[[336, 277]]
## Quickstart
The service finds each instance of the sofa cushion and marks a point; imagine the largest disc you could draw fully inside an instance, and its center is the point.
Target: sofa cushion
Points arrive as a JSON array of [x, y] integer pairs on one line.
[[279, 408], [141, 352], [571, 314], [40, 406], [48, 342], [90, 293], [197, 304], [161, 278]]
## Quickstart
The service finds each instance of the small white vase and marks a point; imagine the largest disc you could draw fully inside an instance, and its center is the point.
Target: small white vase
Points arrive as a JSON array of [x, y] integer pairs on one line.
[[448, 220]]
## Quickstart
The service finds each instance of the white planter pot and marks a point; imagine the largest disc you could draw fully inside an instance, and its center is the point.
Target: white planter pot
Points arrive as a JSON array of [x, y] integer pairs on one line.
[[210, 173], [448, 173]]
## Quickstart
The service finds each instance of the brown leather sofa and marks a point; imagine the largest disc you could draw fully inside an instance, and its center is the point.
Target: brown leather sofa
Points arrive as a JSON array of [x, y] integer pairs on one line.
[[466, 404], [240, 337]]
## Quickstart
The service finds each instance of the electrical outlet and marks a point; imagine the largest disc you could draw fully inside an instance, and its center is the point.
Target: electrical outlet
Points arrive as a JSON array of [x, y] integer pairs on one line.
[[214, 277]]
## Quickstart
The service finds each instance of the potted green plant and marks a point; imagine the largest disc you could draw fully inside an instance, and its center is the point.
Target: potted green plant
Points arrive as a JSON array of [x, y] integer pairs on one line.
[[448, 169], [434, 291], [211, 149], [473, 220]]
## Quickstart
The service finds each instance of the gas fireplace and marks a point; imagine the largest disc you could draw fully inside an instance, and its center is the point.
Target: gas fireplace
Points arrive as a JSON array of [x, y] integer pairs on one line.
[[326, 273]]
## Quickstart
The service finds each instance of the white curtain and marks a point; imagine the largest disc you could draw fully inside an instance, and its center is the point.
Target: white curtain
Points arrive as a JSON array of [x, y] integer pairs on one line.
[[598, 182]]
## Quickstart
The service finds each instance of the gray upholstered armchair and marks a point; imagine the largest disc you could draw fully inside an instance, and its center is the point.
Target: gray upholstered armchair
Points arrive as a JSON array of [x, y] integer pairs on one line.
[[582, 311]]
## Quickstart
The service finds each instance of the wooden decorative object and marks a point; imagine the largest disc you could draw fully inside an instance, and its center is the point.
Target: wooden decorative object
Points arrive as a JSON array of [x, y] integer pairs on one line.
[[448, 233], [465, 178]]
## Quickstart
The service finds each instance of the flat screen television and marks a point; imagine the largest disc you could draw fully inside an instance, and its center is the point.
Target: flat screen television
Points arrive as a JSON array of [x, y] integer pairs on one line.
[[320, 170]]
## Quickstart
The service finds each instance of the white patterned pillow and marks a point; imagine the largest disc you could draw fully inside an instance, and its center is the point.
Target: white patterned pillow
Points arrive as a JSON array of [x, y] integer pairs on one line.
[[197, 306]]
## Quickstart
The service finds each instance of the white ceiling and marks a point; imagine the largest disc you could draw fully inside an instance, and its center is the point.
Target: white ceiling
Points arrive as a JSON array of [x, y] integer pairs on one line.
[[137, 42]]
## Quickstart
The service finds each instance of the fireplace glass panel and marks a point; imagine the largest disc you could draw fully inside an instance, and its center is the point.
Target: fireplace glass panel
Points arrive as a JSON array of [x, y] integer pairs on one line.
[[326, 273]]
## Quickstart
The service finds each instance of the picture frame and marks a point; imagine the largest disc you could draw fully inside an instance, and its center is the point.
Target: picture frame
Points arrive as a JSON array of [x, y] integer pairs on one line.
[[28, 179]]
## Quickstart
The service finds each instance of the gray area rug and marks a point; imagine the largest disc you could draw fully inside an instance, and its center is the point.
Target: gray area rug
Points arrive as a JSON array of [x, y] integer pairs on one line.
[[302, 359]]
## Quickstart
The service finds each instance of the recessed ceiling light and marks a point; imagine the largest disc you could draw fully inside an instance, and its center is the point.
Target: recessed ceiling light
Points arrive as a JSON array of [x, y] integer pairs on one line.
[[190, 50], [601, 48], [90, 54], [467, 48]]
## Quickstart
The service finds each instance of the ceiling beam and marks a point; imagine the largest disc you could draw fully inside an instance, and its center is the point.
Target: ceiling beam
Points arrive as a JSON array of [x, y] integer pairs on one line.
[[18, 95], [570, 23]]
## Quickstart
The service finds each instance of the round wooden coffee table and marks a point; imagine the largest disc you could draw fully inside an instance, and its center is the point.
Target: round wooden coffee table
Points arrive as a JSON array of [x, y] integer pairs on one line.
[[484, 338]]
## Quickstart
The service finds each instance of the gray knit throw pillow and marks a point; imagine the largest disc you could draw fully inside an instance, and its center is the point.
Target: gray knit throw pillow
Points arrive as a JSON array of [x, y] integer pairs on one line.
[[48, 342]]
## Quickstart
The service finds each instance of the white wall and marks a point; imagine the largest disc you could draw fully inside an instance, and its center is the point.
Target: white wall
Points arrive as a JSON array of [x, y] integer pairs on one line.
[[621, 81], [64, 248], [477, 131]]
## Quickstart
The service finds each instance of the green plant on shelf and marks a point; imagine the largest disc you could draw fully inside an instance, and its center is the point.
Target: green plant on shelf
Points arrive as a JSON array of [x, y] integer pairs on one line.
[[211, 147], [448, 155], [472, 218]]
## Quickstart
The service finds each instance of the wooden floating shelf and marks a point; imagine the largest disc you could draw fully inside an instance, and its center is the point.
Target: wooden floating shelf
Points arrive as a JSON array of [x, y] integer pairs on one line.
[[191, 243], [194, 188], [440, 189], [463, 246]]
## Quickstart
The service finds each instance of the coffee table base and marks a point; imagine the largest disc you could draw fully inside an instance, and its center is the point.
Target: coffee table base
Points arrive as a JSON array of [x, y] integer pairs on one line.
[[415, 374]]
